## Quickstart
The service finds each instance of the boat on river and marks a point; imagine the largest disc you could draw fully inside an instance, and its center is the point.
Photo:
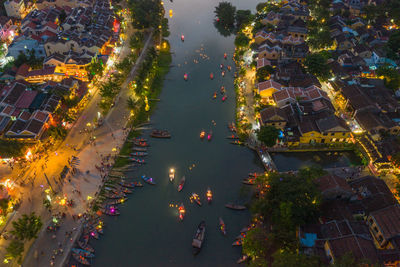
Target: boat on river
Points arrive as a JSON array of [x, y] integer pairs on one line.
[[215, 95], [209, 196], [223, 73], [137, 139], [141, 149], [114, 195], [140, 161], [238, 242], [242, 259], [254, 174], [181, 184], [80, 259], [224, 98], [198, 238], [112, 211], [127, 185], [148, 180], [171, 174], [182, 38], [222, 226], [141, 144], [211, 75], [222, 90], [85, 246], [209, 136], [185, 76], [249, 181], [232, 137], [82, 252], [137, 184], [118, 201], [202, 134], [160, 134], [225, 56], [181, 211], [235, 206], [238, 143], [139, 154], [126, 191], [195, 197]]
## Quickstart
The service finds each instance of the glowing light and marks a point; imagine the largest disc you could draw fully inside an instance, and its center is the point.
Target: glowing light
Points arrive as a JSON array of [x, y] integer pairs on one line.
[[89, 198], [28, 155], [48, 197]]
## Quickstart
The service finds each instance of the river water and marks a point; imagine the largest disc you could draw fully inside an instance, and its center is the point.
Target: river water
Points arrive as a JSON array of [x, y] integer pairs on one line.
[[148, 232]]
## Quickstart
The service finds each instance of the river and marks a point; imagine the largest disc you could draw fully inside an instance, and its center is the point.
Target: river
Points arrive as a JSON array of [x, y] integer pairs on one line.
[[148, 232]]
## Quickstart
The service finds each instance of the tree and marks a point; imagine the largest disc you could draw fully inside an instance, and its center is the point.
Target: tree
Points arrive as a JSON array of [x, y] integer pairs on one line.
[[96, 67], [146, 13], [391, 77], [242, 40], [15, 250], [268, 135], [2, 49], [396, 159], [225, 13], [243, 18], [257, 246], [27, 227], [132, 103], [317, 65], [283, 258], [58, 132], [264, 72], [137, 40]]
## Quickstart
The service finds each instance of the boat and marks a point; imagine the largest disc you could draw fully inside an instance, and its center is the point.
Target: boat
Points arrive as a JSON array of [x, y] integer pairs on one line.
[[242, 259], [94, 234], [137, 184], [160, 134], [80, 259], [225, 56], [249, 181], [114, 196], [245, 229], [171, 174], [215, 95], [211, 75], [224, 98], [222, 226], [254, 174], [209, 136], [112, 212], [238, 142], [82, 252], [199, 237], [221, 66], [141, 144], [185, 76], [195, 197], [232, 137], [235, 207], [139, 154], [181, 184], [209, 195], [118, 201], [127, 185], [223, 73], [148, 180], [241, 235], [202, 134], [181, 211], [126, 191], [222, 90], [238, 242], [229, 68], [182, 38], [85, 246], [142, 149], [137, 139], [140, 161]]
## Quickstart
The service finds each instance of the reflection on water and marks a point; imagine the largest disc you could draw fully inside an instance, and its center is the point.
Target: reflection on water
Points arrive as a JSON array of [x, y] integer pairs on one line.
[[297, 160]]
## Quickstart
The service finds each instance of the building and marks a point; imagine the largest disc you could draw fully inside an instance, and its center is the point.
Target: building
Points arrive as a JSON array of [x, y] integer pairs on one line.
[[273, 116], [385, 225], [333, 187], [25, 46], [15, 8]]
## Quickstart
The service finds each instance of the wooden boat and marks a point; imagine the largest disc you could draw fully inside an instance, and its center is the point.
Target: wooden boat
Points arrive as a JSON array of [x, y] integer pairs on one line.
[[209, 136], [80, 259], [198, 238], [94, 233], [223, 73], [141, 144], [114, 196], [237, 142], [254, 174], [242, 259], [202, 134], [127, 185], [112, 212], [137, 139], [225, 56], [241, 235], [171, 174], [82, 252], [185, 76], [211, 75], [148, 180], [142, 149], [215, 95], [126, 191], [209, 196], [182, 38], [85, 246], [249, 181], [232, 127], [160, 134], [222, 226], [181, 211], [116, 176], [137, 184], [232, 137], [245, 229], [238, 242], [140, 161], [181, 184], [234, 206], [195, 197], [139, 154], [221, 66], [118, 201], [224, 98]]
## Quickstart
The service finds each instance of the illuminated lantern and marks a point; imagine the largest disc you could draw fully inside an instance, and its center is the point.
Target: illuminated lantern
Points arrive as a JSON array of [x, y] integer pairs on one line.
[[116, 25], [146, 101], [171, 13]]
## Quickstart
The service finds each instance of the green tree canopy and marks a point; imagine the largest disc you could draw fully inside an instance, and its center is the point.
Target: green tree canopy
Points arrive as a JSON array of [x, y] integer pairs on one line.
[[317, 65], [268, 135], [393, 45], [15, 250], [391, 77], [284, 258], [257, 246], [264, 72], [137, 40], [243, 18], [27, 227], [146, 13], [242, 40], [225, 13]]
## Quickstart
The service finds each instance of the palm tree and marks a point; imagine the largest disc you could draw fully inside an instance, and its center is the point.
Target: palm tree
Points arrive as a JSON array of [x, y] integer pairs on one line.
[[132, 103], [27, 227], [14, 250]]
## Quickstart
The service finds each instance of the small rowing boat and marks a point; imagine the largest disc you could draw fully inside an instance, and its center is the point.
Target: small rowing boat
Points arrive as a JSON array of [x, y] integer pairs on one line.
[[141, 144], [83, 253], [117, 201], [211, 75], [142, 149], [171, 174], [238, 143], [254, 174], [139, 154], [235, 207], [80, 259], [209, 196], [238, 242], [224, 98], [215, 95], [249, 181], [140, 161], [232, 127], [202, 134], [148, 180], [223, 73], [209, 136], [126, 191], [160, 134], [185, 76], [137, 184], [127, 185], [182, 38], [222, 226], [195, 197], [199, 237], [181, 184], [232, 137], [85, 246], [137, 139], [222, 90], [225, 56], [242, 259]]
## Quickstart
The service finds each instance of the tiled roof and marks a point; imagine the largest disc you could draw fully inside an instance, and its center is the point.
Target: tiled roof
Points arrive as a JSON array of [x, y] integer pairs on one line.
[[269, 84], [360, 248], [388, 220], [331, 181], [26, 99]]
